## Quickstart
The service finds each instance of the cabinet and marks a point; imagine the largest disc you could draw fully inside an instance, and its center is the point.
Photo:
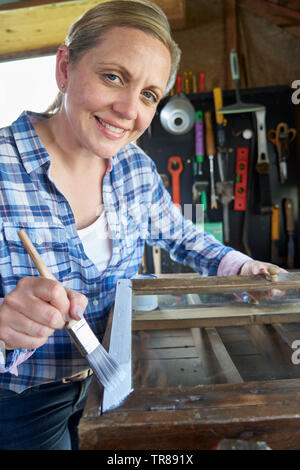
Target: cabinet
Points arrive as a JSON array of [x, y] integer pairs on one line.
[[217, 358]]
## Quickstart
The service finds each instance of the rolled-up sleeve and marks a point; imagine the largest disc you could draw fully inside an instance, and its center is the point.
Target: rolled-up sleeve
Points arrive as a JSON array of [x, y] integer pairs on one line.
[[232, 263]]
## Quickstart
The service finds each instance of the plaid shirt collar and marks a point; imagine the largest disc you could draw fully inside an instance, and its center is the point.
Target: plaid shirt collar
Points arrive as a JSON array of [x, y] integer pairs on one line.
[[31, 150]]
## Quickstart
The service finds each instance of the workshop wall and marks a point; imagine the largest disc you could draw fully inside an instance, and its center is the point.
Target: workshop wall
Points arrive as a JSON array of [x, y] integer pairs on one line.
[[268, 66], [268, 54], [249, 229]]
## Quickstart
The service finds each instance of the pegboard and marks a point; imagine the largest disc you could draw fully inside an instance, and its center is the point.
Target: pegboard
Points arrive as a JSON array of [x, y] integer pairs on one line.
[[160, 145]]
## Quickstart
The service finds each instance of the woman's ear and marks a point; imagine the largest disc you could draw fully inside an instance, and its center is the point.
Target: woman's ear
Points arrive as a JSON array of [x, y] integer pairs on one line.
[[62, 67]]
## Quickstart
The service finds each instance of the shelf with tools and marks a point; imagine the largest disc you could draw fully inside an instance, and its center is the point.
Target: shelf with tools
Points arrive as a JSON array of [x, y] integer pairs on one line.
[[259, 189]]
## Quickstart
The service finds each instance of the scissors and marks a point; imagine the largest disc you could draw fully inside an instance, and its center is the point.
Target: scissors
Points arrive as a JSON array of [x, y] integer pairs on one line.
[[281, 137]]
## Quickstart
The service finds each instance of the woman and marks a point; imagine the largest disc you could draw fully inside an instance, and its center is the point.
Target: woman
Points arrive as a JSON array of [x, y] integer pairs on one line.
[[89, 198]]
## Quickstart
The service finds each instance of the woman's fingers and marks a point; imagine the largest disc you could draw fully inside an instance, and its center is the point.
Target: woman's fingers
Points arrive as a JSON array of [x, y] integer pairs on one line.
[[78, 304], [253, 267], [41, 300], [37, 307], [22, 330]]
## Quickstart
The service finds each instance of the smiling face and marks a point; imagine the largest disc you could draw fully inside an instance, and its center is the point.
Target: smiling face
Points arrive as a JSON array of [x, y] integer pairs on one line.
[[112, 91]]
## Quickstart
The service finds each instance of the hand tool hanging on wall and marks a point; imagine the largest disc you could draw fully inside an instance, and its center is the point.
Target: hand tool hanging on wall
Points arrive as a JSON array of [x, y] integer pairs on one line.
[[286, 136], [175, 168], [241, 179], [239, 106], [281, 137], [194, 83], [199, 145], [275, 234], [221, 135], [263, 164], [214, 228], [199, 198], [177, 86], [188, 81], [156, 256], [178, 115], [202, 82], [224, 191], [252, 155], [197, 189], [225, 187], [289, 224], [143, 269], [210, 152]]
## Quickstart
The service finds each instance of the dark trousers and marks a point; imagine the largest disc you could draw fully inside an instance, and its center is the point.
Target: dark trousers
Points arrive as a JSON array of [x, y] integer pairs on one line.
[[43, 417]]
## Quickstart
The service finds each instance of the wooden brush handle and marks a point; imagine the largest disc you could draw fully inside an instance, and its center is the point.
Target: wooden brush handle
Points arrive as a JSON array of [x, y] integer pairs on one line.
[[39, 263]]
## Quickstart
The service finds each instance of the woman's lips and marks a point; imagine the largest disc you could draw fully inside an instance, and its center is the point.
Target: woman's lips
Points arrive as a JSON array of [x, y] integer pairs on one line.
[[109, 129]]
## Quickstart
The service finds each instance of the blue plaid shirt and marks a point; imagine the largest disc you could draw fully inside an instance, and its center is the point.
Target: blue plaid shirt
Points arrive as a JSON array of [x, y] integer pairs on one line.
[[138, 209]]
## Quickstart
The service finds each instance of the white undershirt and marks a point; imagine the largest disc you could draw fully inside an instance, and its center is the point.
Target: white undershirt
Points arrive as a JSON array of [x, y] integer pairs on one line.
[[97, 242]]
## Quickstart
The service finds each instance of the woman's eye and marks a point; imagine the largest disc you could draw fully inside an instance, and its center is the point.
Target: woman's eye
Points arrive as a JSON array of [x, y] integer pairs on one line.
[[150, 96], [112, 77]]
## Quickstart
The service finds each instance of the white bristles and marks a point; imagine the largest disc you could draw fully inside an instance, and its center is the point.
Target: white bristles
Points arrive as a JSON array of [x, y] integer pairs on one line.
[[106, 369], [113, 398]]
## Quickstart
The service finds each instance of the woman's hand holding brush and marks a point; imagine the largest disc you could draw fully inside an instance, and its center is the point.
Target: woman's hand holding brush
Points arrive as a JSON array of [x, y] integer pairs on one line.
[[37, 307]]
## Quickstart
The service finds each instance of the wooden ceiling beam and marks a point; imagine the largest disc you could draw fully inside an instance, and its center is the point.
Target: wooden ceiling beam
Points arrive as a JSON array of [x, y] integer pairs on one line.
[[27, 3], [276, 14], [291, 4], [293, 29], [31, 30]]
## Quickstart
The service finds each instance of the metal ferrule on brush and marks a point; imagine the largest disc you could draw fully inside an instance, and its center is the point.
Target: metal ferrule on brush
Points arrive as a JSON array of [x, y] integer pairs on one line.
[[83, 337]]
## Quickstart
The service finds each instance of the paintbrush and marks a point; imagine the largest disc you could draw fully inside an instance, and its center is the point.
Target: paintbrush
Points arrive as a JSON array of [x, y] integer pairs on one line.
[[105, 368]]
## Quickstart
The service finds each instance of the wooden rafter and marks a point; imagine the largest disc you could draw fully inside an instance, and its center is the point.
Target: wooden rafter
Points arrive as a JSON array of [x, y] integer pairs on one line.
[[27, 3], [292, 4], [35, 29], [268, 9], [282, 16]]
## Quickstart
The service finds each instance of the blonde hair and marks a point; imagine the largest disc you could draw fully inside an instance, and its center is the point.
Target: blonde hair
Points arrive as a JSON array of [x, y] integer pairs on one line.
[[88, 30]]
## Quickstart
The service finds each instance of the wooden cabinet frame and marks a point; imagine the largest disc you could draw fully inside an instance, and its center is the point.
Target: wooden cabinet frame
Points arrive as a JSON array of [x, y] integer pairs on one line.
[[199, 417]]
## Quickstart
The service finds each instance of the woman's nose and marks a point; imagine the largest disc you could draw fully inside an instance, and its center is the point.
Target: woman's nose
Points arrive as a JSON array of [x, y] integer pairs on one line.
[[126, 105]]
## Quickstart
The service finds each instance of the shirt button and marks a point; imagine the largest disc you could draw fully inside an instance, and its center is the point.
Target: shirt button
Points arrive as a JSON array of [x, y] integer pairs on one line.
[[95, 302], [39, 240]]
